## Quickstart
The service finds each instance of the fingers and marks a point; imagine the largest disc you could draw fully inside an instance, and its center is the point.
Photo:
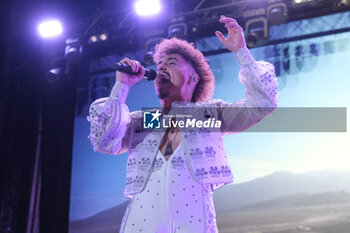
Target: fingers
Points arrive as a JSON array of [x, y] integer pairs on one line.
[[233, 28], [233, 25], [224, 19], [220, 36], [141, 72], [229, 22], [135, 65], [127, 61]]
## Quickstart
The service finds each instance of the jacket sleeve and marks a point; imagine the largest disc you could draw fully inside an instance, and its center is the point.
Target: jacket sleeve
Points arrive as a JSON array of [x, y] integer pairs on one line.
[[110, 122], [260, 95]]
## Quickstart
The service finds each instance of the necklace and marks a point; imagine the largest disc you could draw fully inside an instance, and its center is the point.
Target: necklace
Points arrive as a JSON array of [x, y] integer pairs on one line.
[[169, 148]]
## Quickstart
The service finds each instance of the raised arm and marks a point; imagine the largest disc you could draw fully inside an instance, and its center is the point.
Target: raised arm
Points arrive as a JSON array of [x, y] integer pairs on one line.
[[110, 119], [257, 77]]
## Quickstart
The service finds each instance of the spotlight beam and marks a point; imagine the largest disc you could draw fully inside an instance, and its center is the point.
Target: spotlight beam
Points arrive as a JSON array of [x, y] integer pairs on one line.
[[147, 7], [50, 28]]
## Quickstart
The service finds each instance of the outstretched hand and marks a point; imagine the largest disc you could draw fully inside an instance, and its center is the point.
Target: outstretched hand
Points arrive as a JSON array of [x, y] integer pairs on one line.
[[235, 39]]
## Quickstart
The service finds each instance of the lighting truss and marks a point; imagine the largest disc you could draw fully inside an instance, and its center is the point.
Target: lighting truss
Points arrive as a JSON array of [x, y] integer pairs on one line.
[[200, 16]]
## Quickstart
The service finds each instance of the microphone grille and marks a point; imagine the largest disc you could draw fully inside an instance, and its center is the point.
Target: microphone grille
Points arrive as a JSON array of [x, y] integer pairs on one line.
[[152, 75]]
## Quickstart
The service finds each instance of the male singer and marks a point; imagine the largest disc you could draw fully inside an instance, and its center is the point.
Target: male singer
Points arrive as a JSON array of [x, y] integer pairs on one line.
[[171, 175]]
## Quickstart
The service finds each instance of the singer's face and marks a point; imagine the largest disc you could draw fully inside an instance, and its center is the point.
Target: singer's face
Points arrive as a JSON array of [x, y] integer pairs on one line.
[[172, 80]]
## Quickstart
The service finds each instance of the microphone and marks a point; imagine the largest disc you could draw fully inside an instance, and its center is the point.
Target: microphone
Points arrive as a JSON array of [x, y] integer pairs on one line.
[[149, 73]]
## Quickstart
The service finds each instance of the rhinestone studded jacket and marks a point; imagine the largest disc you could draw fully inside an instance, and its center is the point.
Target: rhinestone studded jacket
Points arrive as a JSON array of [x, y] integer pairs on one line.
[[114, 130]]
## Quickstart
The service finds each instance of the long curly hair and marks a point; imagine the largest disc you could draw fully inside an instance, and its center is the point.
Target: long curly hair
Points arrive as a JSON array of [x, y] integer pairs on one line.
[[205, 87]]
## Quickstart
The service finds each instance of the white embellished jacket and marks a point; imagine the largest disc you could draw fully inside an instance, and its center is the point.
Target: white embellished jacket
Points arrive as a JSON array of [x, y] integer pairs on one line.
[[114, 130]]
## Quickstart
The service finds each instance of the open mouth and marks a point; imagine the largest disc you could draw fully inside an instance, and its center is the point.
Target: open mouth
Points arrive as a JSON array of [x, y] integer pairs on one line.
[[163, 79]]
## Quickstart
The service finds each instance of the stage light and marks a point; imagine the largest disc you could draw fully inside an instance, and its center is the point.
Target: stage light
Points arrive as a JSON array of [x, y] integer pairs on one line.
[[345, 2], [296, 2], [147, 7], [257, 31], [56, 72], [148, 58], [277, 13], [149, 50], [103, 36], [54, 75], [73, 51], [178, 30], [93, 39], [336, 3], [50, 28]]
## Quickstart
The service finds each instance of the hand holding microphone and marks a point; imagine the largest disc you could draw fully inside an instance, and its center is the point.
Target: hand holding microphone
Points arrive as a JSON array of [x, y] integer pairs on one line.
[[131, 72]]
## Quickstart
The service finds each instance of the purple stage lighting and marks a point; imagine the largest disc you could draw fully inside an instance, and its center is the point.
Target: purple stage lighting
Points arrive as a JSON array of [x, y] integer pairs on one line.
[[50, 28], [147, 7]]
